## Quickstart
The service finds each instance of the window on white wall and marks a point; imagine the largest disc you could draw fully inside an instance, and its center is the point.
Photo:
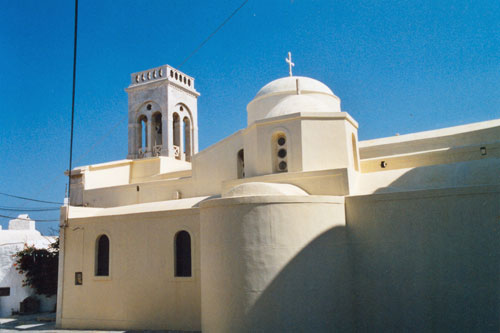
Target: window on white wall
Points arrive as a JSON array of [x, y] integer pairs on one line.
[[182, 248], [102, 256], [241, 164]]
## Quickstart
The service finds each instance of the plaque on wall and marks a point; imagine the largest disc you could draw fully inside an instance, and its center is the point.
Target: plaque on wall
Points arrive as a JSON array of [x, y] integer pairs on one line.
[[78, 278]]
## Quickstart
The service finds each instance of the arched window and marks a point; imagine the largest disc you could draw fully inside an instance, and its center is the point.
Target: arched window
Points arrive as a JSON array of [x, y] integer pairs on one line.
[[280, 152], [177, 135], [142, 134], [355, 153], [156, 129], [102, 256], [182, 247], [241, 164], [187, 138]]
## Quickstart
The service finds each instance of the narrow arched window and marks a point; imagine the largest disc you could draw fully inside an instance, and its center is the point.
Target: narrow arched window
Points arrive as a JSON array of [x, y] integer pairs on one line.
[[182, 254], [240, 168], [157, 129], [187, 138], [142, 135], [177, 135], [102, 256]]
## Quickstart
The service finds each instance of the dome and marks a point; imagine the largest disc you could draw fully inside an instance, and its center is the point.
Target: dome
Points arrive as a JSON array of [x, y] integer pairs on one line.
[[301, 103], [287, 85], [290, 95]]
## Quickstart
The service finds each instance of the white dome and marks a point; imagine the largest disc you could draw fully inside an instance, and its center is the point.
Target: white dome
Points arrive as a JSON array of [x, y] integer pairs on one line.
[[287, 85], [290, 95], [301, 103]]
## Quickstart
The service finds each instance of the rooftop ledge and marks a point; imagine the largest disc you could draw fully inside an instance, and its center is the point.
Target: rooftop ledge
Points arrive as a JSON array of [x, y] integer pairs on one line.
[[442, 132], [162, 73]]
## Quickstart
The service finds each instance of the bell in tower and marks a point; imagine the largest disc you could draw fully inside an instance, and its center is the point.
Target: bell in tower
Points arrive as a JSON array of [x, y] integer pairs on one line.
[[162, 114]]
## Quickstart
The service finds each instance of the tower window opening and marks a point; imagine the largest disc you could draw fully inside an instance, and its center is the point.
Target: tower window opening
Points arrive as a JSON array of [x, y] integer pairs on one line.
[[182, 250], [177, 135], [142, 135], [144, 131], [157, 130], [187, 139], [102, 256], [149, 106], [171, 73]]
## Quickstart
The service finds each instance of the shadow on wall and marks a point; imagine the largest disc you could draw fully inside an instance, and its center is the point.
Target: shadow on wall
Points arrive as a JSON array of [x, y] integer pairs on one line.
[[427, 261], [468, 173], [312, 293]]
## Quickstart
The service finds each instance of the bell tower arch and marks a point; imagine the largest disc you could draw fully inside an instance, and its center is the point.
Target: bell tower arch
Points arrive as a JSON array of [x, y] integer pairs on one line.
[[162, 114]]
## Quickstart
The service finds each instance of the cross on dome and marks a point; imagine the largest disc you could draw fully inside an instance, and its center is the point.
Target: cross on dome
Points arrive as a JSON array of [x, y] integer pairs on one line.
[[290, 63]]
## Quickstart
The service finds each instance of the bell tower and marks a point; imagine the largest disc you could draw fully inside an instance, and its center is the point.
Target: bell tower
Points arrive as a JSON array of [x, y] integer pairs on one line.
[[162, 114]]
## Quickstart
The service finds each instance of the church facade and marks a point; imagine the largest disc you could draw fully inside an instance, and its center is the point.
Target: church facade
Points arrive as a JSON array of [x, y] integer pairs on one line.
[[290, 224]]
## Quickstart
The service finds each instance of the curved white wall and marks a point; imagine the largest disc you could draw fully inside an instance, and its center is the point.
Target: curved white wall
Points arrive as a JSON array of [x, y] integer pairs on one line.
[[256, 254]]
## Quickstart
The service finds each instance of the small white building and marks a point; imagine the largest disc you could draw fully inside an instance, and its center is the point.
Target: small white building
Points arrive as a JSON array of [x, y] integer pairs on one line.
[[21, 232]]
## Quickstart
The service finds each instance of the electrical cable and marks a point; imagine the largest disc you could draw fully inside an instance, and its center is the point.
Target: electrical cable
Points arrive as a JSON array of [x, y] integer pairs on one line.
[[24, 219], [73, 100], [105, 136], [213, 33], [20, 209], [29, 199]]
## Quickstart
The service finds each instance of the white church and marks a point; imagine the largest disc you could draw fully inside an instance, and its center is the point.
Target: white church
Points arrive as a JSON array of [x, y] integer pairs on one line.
[[288, 225]]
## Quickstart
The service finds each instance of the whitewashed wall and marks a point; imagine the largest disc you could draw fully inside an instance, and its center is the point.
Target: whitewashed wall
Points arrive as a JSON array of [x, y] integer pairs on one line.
[[11, 241]]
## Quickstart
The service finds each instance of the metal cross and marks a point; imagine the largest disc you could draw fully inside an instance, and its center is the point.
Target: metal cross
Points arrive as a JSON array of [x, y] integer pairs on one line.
[[290, 63]]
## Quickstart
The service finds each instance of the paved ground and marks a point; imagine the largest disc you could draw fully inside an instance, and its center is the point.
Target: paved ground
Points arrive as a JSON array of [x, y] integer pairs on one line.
[[45, 322], [42, 322]]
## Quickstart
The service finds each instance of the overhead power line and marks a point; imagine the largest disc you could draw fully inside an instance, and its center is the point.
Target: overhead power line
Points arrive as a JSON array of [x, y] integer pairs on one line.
[[20, 218], [213, 33], [73, 99], [98, 142], [30, 199], [21, 209]]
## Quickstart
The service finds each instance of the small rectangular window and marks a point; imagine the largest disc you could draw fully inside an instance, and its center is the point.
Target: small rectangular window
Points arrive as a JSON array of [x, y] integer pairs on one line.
[[5, 291]]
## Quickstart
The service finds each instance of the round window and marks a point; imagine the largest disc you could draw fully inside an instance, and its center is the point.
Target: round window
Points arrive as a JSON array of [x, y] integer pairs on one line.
[[281, 141], [282, 153], [282, 165]]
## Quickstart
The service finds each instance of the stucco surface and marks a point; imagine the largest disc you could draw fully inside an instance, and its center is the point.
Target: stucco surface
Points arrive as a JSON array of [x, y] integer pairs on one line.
[[393, 234], [272, 265], [141, 291], [426, 260], [11, 242]]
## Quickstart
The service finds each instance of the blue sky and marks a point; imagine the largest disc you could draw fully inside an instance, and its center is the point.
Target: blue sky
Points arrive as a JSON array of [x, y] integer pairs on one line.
[[398, 67]]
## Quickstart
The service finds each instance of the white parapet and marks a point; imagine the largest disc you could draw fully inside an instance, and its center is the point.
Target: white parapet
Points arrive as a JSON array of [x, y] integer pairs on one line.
[[23, 222]]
